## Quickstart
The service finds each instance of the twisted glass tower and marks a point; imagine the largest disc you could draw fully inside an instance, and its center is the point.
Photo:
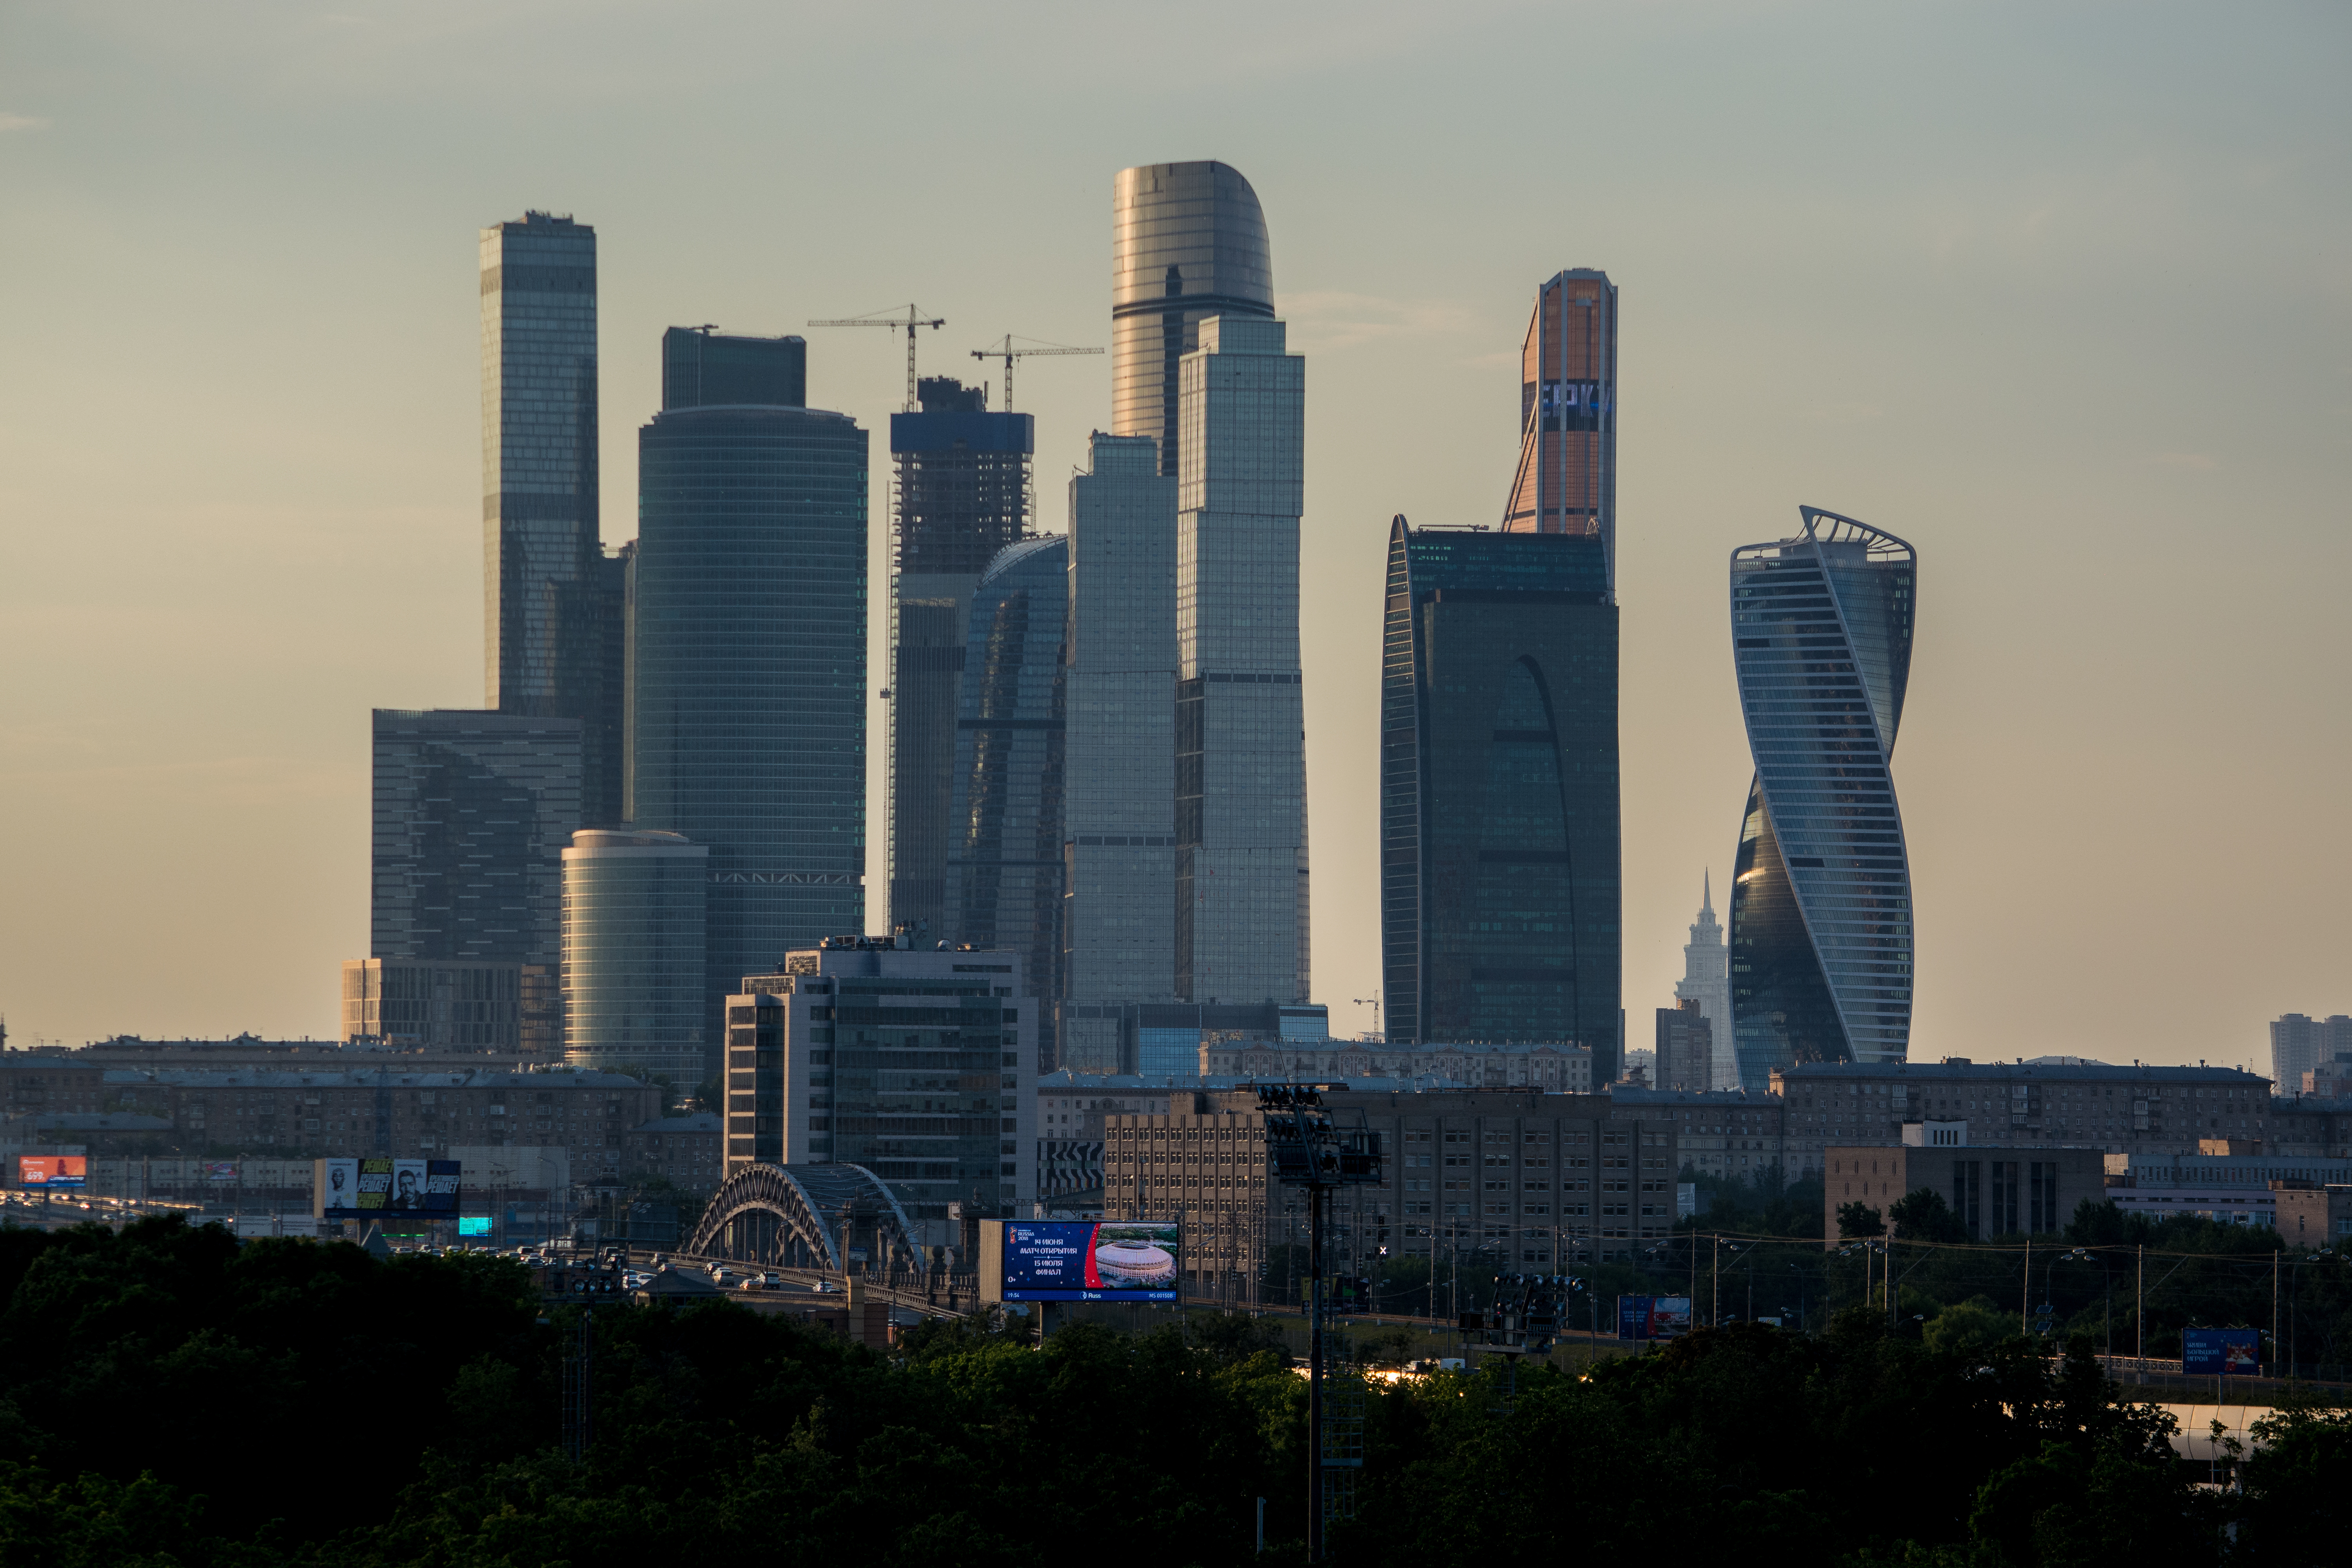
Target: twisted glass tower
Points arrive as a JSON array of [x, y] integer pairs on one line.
[[1820, 899]]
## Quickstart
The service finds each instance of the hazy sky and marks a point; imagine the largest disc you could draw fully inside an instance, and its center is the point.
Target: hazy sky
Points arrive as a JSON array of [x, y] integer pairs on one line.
[[2058, 292]]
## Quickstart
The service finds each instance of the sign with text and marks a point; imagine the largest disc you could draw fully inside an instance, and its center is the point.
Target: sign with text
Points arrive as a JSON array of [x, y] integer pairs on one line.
[[387, 1189], [1653, 1317], [2229, 1352], [52, 1170], [1079, 1260]]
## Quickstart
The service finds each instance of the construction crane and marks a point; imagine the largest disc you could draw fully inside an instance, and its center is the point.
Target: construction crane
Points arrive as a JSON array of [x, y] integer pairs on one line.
[[913, 319], [1008, 353]]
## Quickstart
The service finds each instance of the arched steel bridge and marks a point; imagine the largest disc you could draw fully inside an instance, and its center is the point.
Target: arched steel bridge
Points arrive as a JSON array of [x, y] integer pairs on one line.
[[805, 1217]]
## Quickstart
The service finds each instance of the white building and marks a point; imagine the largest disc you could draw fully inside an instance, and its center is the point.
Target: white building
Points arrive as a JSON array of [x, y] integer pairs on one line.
[[1706, 979]]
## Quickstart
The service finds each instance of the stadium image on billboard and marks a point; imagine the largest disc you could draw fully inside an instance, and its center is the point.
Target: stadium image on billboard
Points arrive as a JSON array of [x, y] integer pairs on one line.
[[1079, 1260], [52, 1171]]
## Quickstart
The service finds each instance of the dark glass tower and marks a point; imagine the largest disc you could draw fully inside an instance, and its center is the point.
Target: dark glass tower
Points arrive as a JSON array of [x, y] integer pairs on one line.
[[550, 599], [1821, 895], [1005, 853], [1500, 886], [749, 684], [963, 495]]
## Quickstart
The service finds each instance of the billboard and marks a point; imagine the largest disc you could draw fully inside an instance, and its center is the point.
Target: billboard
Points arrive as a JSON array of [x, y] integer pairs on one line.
[[387, 1189], [52, 1170], [1653, 1317], [474, 1225], [1080, 1260], [2228, 1352], [220, 1169]]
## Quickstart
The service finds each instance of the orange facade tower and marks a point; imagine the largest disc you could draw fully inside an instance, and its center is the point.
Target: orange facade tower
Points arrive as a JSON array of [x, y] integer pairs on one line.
[[1567, 478]]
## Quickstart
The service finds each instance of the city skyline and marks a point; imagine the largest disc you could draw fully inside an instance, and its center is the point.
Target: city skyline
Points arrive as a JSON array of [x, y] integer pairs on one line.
[[247, 540]]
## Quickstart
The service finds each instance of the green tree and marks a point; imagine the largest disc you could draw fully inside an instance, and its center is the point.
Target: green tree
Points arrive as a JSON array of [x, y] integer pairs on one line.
[[1921, 1215], [1857, 1220]]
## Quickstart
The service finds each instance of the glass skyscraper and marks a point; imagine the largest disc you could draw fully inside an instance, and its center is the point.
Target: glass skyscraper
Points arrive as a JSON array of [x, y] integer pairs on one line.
[[1188, 241], [1820, 896], [1500, 884], [1567, 478], [749, 677], [1120, 930], [963, 495], [633, 911], [1242, 930], [1004, 847], [551, 599]]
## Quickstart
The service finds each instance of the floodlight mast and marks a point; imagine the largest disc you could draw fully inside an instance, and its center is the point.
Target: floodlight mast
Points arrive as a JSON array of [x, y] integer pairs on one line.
[[1310, 1152]]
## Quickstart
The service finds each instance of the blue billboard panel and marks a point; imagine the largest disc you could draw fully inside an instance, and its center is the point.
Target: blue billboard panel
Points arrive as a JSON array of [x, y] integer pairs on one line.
[[474, 1225], [1079, 1260], [1653, 1317], [2231, 1353]]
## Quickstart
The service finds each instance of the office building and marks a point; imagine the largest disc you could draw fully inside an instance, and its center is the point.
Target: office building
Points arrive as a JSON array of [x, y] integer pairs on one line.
[[963, 496], [1500, 887], [1119, 751], [2136, 1108], [1686, 1051], [1478, 1178], [680, 1150], [1188, 241], [1994, 1190], [551, 602], [703, 367], [1004, 849], [2300, 1045], [750, 682], [918, 1065], [1820, 899], [1241, 931], [470, 814], [1706, 979], [634, 907], [415, 1004], [1566, 481]]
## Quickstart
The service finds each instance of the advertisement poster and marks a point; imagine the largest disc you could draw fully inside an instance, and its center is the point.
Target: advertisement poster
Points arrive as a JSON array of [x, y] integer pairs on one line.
[[441, 1187], [2227, 1352], [1078, 1260], [220, 1169], [376, 1187], [1653, 1317], [474, 1225], [407, 1187], [52, 1170], [339, 1197]]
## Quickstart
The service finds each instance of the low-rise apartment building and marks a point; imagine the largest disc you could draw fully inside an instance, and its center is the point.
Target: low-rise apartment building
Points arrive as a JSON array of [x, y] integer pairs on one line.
[[1994, 1191], [683, 1150]]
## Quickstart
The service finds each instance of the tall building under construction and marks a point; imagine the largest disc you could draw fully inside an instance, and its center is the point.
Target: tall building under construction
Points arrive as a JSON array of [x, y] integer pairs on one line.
[[962, 496]]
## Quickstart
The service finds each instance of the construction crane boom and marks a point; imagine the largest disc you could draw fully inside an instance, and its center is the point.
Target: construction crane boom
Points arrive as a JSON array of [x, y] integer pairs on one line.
[[913, 319], [1008, 353]]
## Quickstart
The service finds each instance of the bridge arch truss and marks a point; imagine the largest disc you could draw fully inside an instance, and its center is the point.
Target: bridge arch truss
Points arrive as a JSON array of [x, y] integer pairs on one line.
[[804, 1217]]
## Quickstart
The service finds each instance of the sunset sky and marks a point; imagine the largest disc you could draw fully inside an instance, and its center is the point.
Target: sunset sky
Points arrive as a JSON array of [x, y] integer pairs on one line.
[[2060, 294]]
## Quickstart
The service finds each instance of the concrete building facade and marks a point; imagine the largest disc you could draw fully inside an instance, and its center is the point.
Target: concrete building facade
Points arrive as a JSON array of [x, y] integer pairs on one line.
[[1995, 1190]]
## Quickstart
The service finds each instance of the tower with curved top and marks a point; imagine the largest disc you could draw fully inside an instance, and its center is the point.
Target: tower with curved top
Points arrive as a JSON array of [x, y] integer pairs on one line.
[[1820, 899]]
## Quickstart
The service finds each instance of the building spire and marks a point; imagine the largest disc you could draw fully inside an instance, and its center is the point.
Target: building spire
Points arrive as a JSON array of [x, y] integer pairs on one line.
[[1706, 891]]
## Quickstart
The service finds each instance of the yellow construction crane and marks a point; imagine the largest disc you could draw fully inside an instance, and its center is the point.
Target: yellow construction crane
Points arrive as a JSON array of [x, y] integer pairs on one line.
[[1008, 353], [913, 319]]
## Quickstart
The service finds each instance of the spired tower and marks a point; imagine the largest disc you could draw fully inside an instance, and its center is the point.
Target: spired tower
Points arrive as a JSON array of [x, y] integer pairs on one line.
[[1821, 895], [1706, 979]]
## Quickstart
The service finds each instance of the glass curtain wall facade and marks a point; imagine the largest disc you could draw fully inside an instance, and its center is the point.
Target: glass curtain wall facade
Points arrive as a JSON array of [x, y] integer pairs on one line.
[[1567, 478], [1188, 241], [1241, 752], [1821, 899], [963, 495], [1501, 890], [634, 910], [705, 368], [749, 679], [1005, 855], [1119, 763], [551, 602]]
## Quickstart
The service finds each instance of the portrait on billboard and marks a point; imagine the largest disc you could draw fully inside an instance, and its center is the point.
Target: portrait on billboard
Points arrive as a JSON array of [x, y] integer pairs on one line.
[[342, 1192], [407, 1186]]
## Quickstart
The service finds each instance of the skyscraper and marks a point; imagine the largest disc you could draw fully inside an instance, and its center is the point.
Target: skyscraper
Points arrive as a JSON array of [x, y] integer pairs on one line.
[[635, 905], [749, 721], [549, 597], [1188, 241], [1821, 896], [963, 495], [2300, 1043], [1119, 760], [1706, 979], [1005, 847], [1499, 861], [1240, 748], [1567, 478], [471, 813]]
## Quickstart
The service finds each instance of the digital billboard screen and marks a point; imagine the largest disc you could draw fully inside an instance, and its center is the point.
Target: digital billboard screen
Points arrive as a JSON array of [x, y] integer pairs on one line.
[[1653, 1317], [52, 1170], [388, 1189], [2231, 1353], [474, 1225], [1081, 1260]]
